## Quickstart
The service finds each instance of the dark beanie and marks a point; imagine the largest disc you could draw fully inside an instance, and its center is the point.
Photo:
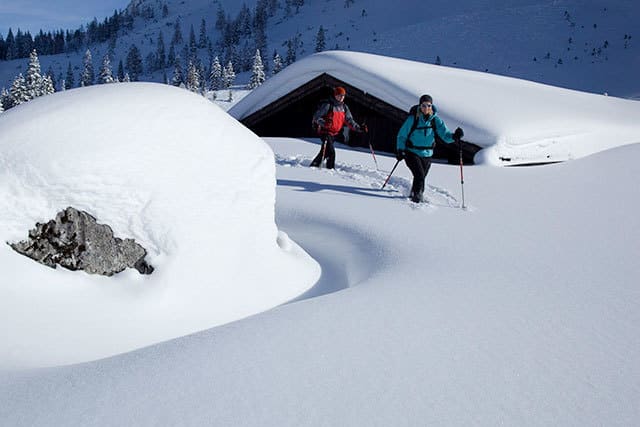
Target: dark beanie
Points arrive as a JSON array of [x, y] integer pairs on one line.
[[426, 98]]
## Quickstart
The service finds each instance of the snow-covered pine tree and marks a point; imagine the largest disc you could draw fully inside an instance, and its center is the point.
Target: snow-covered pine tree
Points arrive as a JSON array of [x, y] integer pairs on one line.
[[106, 74], [51, 74], [5, 98], [277, 63], [1, 107], [134, 63], [126, 78], [33, 80], [228, 75], [178, 76], [47, 85], [292, 48], [193, 78], [257, 72], [88, 75], [320, 40], [69, 80], [215, 77], [18, 91]]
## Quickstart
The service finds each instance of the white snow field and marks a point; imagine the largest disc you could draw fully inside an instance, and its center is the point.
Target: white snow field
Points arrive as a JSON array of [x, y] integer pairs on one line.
[[520, 310], [163, 166]]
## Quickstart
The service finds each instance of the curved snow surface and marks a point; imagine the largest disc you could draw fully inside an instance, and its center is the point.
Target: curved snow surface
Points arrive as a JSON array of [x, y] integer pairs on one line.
[[517, 121], [160, 165], [519, 311]]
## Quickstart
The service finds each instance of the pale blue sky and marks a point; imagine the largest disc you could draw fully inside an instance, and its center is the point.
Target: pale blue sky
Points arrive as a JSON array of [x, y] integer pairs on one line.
[[33, 15]]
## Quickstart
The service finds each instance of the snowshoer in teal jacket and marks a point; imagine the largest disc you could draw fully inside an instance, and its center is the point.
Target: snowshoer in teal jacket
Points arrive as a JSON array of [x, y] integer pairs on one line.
[[416, 140]]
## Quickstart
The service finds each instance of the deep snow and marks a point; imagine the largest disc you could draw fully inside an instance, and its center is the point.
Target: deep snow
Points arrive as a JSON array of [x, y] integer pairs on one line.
[[520, 310], [163, 166]]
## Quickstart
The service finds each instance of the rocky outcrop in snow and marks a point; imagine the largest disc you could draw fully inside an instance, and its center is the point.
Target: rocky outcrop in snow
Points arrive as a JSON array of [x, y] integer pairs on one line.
[[76, 241]]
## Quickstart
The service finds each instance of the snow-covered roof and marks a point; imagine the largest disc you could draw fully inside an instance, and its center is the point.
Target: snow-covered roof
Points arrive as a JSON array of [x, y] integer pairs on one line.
[[519, 120]]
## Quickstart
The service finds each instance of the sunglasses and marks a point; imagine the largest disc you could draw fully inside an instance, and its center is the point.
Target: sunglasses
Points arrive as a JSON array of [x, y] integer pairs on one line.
[[423, 105]]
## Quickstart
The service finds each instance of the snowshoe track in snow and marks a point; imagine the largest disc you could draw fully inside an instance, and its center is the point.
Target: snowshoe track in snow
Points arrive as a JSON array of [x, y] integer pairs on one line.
[[398, 187]]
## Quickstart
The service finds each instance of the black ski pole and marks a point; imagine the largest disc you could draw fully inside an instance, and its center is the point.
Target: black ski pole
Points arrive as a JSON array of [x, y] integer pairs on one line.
[[461, 174], [389, 177]]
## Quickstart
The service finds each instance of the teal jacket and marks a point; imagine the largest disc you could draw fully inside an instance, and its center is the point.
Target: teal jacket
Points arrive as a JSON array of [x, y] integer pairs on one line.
[[423, 136]]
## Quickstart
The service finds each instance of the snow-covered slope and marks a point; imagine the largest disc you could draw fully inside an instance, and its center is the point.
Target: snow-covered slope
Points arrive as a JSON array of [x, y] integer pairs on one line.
[[520, 311], [519, 121], [158, 164], [568, 43]]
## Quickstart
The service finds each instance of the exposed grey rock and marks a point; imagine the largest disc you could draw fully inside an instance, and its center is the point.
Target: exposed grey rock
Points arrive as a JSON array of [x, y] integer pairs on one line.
[[76, 241]]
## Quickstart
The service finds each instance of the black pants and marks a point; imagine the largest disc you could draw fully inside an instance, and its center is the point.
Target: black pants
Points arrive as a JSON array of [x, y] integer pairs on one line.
[[419, 167], [328, 150]]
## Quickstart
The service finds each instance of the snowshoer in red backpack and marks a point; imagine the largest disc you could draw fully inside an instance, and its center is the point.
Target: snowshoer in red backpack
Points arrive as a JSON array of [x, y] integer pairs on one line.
[[332, 115]]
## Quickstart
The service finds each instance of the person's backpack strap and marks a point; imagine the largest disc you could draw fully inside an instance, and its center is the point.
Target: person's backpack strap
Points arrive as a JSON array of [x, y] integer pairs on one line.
[[413, 112], [414, 126]]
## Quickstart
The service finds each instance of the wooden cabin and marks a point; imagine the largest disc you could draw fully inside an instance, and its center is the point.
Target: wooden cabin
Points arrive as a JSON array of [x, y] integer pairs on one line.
[[290, 116]]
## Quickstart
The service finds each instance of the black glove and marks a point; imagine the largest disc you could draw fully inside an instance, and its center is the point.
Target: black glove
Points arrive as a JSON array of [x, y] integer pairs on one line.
[[459, 133], [400, 155]]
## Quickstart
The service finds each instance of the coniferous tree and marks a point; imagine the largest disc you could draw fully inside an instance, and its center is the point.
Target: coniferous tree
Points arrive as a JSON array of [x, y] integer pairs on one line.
[[203, 40], [47, 85], [193, 78], [106, 74], [33, 80], [5, 98], [18, 91], [165, 10], [126, 78], [11, 45], [215, 77], [1, 107], [320, 40], [134, 63], [221, 19], [69, 81], [172, 55], [193, 46], [88, 75], [177, 33], [228, 75], [277, 63], [257, 72], [178, 76], [120, 71], [51, 75], [161, 57], [292, 49]]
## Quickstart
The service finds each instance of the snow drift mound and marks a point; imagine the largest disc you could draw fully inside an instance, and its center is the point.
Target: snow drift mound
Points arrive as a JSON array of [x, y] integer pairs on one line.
[[160, 165]]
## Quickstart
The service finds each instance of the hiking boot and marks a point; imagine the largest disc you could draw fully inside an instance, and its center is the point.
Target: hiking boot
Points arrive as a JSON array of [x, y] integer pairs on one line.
[[416, 197]]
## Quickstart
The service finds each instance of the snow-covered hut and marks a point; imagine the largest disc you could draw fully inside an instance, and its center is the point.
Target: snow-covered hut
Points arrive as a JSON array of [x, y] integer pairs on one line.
[[515, 121]]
